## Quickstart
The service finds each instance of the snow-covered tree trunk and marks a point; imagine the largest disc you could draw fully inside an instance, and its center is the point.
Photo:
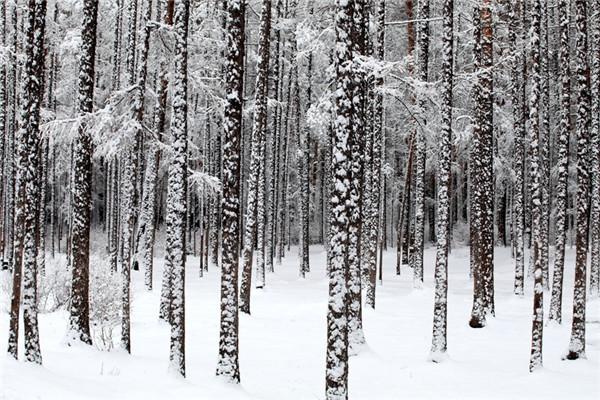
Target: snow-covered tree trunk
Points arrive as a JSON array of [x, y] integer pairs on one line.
[[10, 169], [518, 88], [79, 325], [285, 156], [275, 146], [562, 165], [228, 365], [116, 61], [582, 75], [404, 213], [304, 177], [545, 140], [420, 144], [360, 102], [404, 222], [5, 156], [27, 185], [215, 216], [41, 223], [129, 169], [440, 309], [257, 161], [336, 382], [177, 190], [482, 177], [147, 223], [594, 50], [535, 360], [518, 108], [113, 242]]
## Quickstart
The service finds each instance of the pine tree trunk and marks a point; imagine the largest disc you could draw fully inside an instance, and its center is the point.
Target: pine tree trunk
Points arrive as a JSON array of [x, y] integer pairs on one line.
[[360, 129], [27, 185], [420, 146], [535, 360], [82, 186], [228, 365], [159, 120], [482, 178], [439, 343], [582, 74], [5, 156], [304, 176], [594, 50], [275, 146], [562, 144], [518, 77], [545, 142], [177, 190], [255, 207], [336, 382]]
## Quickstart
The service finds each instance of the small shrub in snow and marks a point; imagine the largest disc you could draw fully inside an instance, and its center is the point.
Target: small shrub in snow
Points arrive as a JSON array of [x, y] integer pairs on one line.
[[105, 302], [54, 288]]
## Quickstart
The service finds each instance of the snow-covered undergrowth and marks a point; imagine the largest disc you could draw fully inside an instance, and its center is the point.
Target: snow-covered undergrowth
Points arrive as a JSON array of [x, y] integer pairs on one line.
[[282, 344]]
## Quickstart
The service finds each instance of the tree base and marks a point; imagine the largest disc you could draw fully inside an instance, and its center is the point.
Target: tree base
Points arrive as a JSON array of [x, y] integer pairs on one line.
[[573, 355], [476, 323], [438, 356]]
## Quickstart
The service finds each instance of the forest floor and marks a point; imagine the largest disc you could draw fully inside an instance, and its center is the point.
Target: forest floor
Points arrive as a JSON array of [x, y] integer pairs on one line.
[[282, 344]]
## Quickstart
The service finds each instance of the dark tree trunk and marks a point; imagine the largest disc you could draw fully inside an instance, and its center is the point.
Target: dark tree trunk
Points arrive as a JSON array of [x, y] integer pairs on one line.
[[82, 182]]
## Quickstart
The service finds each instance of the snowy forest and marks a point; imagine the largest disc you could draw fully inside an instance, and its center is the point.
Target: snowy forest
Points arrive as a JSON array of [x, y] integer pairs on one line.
[[300, 199]]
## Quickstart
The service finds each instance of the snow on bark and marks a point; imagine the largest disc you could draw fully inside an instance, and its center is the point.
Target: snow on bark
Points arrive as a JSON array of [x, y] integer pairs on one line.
[[545, 141], [420, 145], [275, 146], [146, 228], [595, 148], [360, 129], [228, 365], [518, 88], [256, 186], [177, 189], [336, 382], [482, 175], [27, 186], [79, 328], [582, 75], [304, 177], [5, 154], [562, 165], [439, 343], [535, 360]]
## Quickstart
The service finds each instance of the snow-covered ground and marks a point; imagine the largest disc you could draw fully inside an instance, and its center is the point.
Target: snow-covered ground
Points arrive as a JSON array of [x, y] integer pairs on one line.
[[282, 344]]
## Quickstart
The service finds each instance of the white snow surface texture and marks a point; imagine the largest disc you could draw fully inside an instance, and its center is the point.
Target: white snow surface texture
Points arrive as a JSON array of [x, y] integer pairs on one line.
[[282, 344]]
